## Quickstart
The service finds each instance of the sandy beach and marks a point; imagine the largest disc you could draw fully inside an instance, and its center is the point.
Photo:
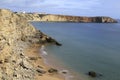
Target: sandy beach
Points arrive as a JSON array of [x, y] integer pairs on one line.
[[33, 52]]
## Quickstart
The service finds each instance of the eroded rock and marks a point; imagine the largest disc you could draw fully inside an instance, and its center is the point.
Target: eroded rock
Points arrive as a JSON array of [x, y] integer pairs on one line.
[[25, 64], [94, 74], [41, 71], [52, 70]]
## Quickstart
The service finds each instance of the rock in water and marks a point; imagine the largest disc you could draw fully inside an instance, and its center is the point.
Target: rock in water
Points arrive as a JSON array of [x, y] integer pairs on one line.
[[51, 70], [51, 40], [92, 74], [58, 44]]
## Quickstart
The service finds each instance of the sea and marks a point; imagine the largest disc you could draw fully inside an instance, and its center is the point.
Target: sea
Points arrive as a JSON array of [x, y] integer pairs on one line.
[[85, 47]]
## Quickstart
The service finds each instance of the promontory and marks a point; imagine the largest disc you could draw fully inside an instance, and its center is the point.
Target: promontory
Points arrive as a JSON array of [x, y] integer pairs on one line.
[[66, 18]]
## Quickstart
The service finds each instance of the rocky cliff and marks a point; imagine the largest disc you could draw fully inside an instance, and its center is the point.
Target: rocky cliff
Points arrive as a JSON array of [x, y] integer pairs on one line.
[[16, 34], [65, 18]]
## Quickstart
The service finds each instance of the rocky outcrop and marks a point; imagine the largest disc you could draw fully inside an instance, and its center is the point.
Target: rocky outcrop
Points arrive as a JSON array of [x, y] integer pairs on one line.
[[16, 34], [65, 18], [94, 74]]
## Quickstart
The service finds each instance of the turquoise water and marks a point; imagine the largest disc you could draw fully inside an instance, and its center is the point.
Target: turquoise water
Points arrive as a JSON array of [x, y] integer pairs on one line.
[[86, 47]]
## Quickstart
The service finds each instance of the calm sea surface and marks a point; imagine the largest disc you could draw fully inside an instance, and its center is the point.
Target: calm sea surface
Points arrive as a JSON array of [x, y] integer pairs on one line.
[[86, 47]]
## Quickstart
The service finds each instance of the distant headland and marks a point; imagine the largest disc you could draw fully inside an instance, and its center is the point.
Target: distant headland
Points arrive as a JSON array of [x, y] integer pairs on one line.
[[65, 18]]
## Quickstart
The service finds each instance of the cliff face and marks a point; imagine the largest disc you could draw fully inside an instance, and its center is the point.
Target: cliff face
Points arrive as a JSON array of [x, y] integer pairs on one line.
[[50, 17], [16, 34]]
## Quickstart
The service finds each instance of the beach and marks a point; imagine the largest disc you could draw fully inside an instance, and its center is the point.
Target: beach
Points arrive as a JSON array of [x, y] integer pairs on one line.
[[34, 52]]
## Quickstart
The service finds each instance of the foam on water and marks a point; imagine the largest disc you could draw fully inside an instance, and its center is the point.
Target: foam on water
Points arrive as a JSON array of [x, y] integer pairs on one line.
[[67, 74], [43, 51], [44, 54]]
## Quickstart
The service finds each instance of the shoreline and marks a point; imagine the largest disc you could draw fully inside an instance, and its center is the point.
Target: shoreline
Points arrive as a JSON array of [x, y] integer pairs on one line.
[[63, 69], [34, 51], [19, 45], [51, 62]]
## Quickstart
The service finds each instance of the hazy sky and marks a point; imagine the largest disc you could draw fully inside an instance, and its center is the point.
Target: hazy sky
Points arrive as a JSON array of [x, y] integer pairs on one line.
[[70, 7]]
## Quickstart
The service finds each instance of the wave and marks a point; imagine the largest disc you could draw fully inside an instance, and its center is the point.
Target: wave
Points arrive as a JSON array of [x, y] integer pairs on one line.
[[42, 50], [63, 72]]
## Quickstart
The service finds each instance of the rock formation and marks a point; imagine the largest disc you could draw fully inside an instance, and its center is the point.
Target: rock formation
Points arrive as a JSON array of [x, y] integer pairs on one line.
[[16, 34], [94, 74], [65, 18]]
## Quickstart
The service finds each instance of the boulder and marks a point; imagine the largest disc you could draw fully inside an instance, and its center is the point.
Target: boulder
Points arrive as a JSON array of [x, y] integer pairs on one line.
[[58, 44], [41, 71], [25, 64], [51, 70], [51, 40], [64, 71], [94, 74]]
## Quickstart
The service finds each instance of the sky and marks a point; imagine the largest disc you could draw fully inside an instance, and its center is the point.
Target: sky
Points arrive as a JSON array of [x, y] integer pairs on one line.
[[109, 8]]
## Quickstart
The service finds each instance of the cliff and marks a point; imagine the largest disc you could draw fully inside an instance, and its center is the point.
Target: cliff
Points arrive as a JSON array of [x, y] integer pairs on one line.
[[65, 18], [16, 35]]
